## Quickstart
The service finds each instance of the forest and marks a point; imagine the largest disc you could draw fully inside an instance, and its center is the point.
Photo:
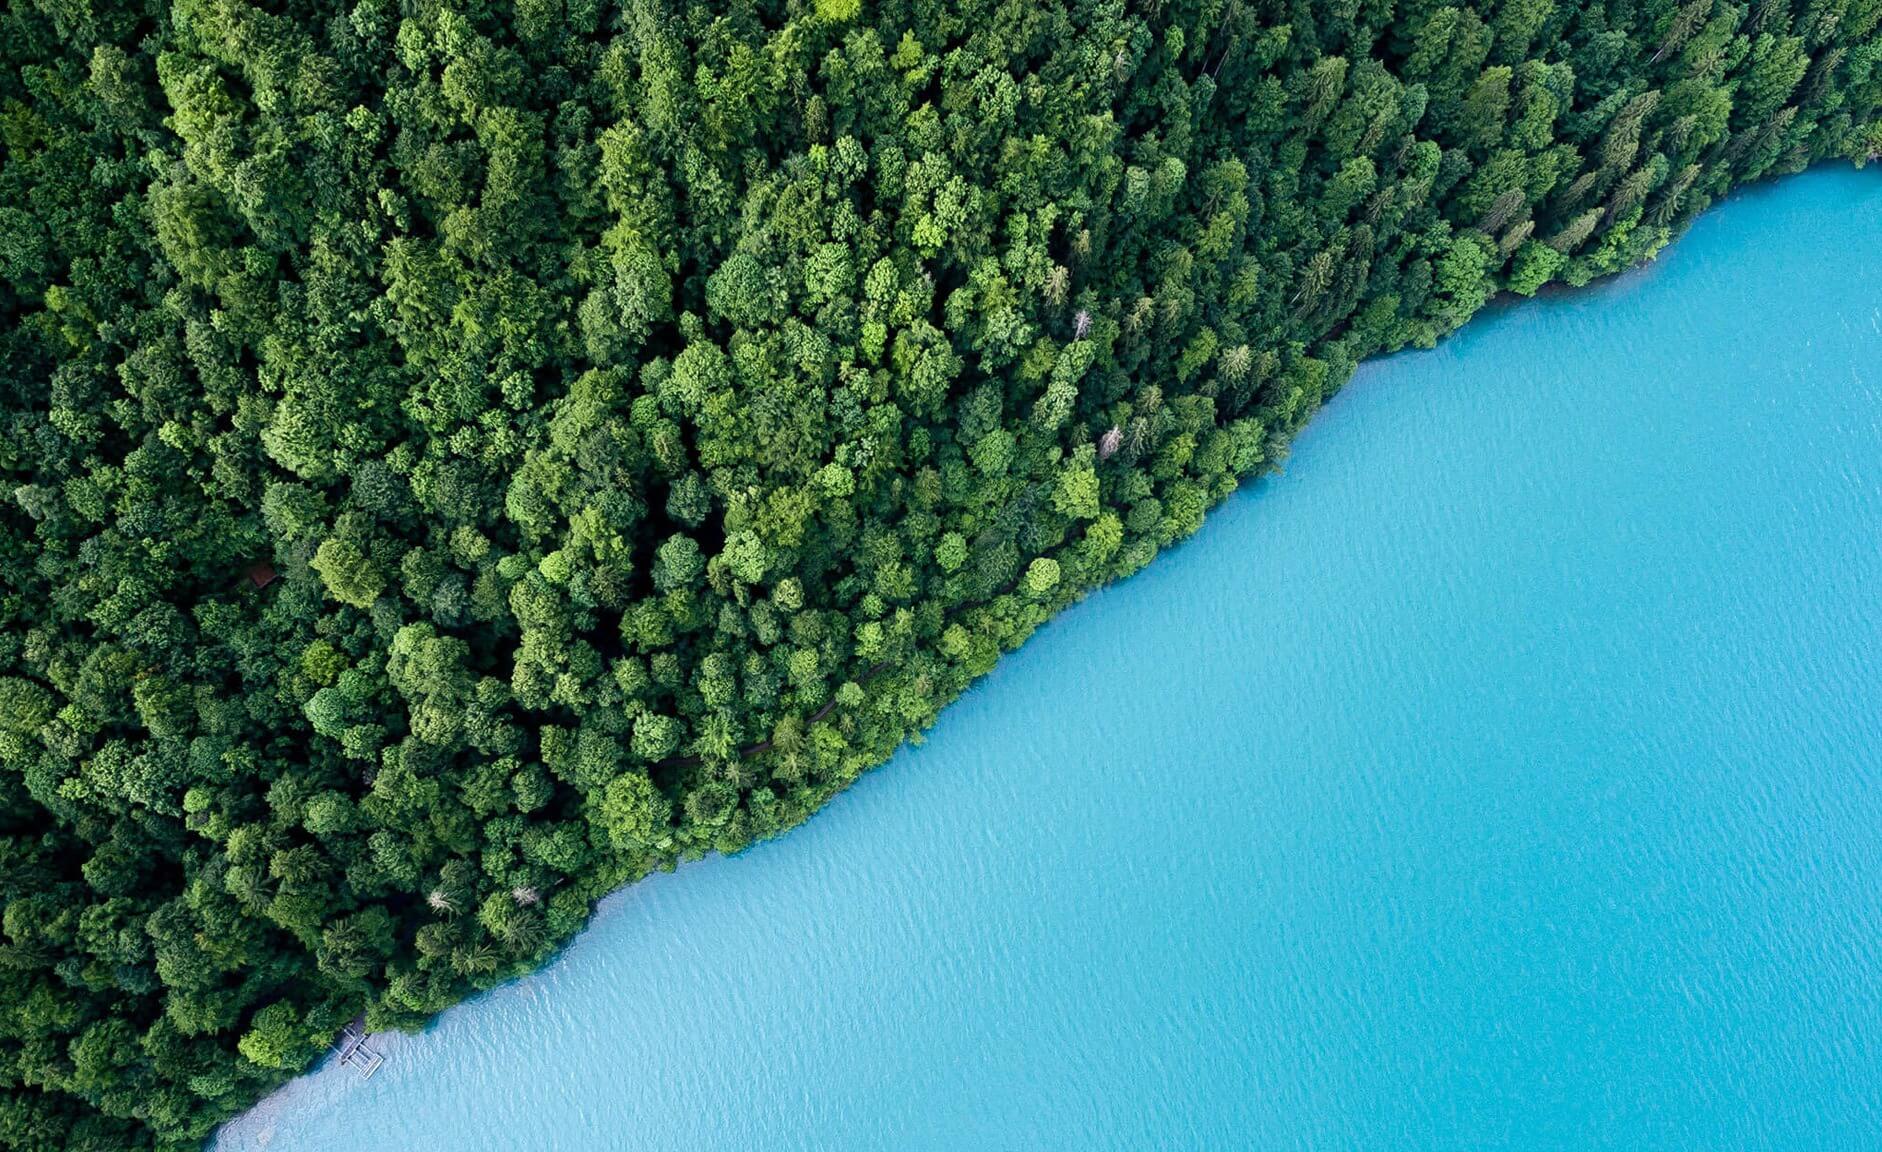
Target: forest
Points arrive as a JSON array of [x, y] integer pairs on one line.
[[460, 457]]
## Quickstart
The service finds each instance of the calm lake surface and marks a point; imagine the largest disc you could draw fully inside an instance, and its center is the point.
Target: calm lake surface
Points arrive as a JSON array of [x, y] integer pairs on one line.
[[1506, 775]]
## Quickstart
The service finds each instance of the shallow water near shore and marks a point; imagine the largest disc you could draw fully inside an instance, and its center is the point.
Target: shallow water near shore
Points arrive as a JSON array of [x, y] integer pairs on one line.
[[1507, 774]]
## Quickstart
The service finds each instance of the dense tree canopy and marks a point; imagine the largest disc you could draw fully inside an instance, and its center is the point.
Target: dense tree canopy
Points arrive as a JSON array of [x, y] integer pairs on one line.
[[461, 456]]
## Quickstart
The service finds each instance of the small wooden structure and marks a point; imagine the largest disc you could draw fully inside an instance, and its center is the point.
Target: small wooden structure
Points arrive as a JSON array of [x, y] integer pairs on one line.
[[356, 1053]]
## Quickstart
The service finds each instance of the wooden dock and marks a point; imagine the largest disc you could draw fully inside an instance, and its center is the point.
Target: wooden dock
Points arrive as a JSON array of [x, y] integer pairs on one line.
[[356, 1053]]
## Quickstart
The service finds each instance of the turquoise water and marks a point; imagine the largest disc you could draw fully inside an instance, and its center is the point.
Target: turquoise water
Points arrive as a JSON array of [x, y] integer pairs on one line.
[[1503, 776]]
